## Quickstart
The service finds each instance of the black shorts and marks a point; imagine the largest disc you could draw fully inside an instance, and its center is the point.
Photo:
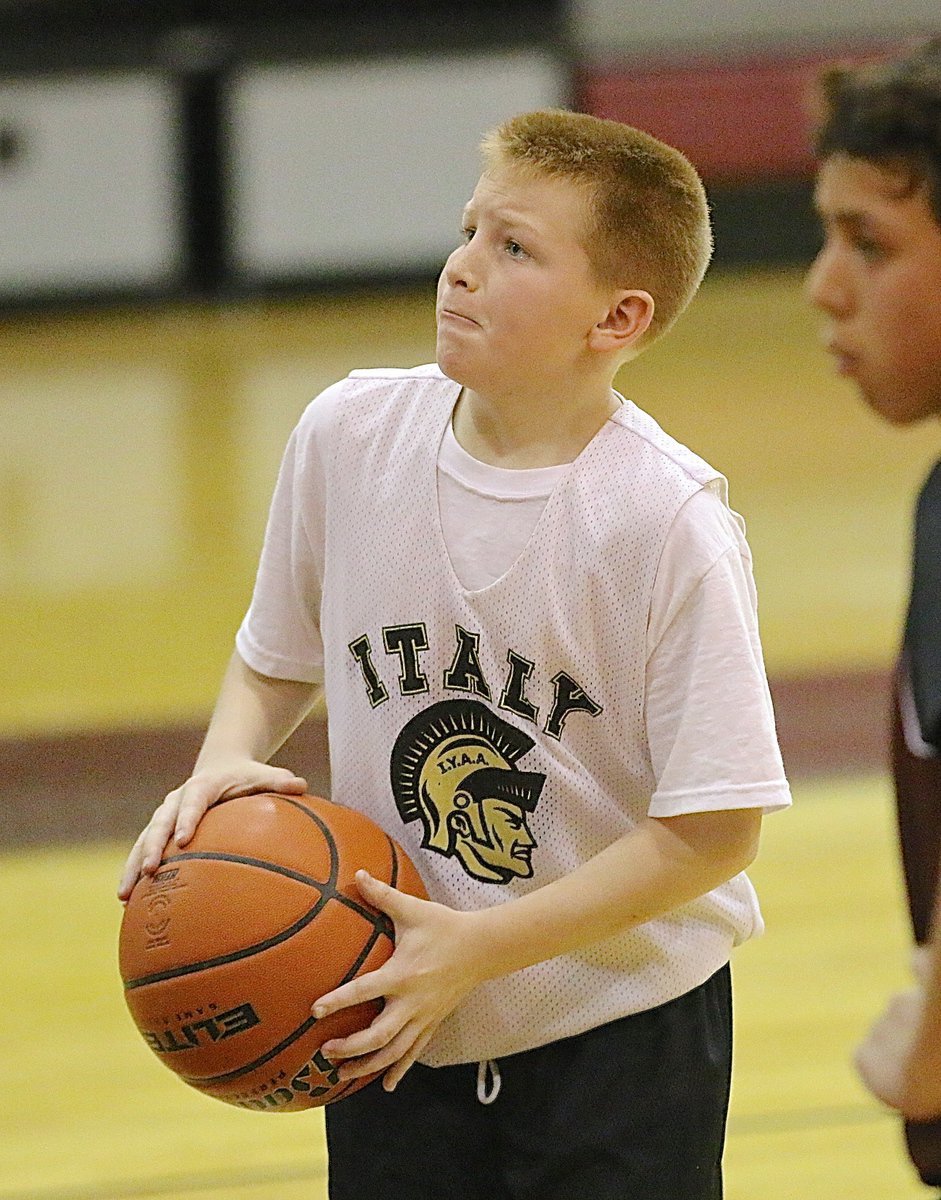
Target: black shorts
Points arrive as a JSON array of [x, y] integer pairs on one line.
[[633, 1110]]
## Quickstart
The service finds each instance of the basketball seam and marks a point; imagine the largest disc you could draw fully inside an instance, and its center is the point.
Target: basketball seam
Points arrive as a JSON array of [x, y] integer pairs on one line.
[[394, 872], [294, 1035], [221, 959], [201, 1081], [326, 887], [263, 863], [328, 892], [325, 830]]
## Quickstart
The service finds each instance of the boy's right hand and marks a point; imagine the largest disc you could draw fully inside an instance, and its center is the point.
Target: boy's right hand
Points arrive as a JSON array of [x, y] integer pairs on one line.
[[183, 809]]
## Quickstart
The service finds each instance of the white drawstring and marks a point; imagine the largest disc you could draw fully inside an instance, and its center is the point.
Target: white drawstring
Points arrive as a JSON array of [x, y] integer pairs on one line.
[[487, 1091]]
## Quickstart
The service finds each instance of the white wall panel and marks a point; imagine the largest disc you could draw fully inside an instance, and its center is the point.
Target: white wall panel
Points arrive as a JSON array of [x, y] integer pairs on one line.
[[88, 188], [366, 165]]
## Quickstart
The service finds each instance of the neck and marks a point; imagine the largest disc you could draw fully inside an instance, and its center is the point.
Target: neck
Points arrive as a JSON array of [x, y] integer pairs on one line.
[[533, 430]]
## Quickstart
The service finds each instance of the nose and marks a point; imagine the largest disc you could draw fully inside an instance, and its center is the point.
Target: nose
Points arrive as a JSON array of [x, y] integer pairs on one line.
[[826, 285], [460, 269]]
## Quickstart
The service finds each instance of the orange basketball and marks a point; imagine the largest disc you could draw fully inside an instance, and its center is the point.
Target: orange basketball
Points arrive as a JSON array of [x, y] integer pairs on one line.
[[225, 948]]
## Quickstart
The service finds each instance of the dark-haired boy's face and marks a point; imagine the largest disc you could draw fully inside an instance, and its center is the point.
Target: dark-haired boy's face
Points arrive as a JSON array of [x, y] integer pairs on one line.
[[517, 299], [877, 279]]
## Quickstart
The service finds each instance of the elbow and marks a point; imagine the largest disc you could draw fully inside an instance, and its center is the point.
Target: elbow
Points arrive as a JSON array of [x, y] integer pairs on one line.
[[742, 847], [722, 844], [751, 844]]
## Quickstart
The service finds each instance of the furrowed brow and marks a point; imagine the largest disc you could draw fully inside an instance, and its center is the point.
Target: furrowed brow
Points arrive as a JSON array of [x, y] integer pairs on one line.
[[848, 220], [506, 218]]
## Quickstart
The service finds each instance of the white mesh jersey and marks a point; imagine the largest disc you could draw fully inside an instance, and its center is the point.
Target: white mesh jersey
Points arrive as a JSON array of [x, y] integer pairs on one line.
[[500, 734]]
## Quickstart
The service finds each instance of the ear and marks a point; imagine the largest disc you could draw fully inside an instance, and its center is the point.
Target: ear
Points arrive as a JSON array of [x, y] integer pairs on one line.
[[624, 324]]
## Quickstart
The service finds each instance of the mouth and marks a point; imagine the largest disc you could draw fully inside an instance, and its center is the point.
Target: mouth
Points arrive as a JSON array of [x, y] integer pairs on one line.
[[449, 314], [846, 361]]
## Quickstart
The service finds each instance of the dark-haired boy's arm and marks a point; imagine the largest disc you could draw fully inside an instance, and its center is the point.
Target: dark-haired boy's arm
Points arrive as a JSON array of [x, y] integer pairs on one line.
[[900, 1060]]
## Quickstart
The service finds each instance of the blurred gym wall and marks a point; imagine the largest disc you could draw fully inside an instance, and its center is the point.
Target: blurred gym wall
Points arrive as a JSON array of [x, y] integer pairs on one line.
[[221, 147]]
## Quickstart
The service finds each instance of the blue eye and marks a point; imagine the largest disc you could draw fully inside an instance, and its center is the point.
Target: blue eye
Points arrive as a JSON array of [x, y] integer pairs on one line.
[[514, 249], [467, 233]]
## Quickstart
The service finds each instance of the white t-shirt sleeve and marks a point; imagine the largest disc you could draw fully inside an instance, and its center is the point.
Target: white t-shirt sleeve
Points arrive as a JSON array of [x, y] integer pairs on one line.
[[280, 635], [710, 722]]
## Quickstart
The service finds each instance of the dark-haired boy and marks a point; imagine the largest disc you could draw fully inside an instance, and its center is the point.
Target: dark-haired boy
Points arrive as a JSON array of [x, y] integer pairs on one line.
[[878, 280]]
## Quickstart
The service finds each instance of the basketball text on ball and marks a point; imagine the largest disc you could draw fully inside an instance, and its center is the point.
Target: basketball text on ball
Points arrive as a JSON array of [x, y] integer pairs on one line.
[[160, 889], [213, 1029], [408, 642], [157, 909], [300, 1086]]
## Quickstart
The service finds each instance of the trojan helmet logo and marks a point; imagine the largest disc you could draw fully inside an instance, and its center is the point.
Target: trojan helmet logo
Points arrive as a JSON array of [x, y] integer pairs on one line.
[[454, 768]]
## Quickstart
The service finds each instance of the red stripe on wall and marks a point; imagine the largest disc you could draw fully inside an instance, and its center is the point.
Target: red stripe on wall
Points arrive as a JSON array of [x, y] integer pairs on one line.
[[744, 121], [96, 785]]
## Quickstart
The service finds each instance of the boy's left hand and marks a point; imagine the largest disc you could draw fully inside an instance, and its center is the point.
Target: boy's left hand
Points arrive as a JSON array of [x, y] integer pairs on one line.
[[430, 972]]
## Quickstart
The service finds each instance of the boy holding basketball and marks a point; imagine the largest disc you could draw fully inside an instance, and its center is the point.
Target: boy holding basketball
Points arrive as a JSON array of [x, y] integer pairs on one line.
[[533, 614], [878, 281]]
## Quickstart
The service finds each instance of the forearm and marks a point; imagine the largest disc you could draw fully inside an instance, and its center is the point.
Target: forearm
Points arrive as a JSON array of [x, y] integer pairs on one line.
[[657, 867], [922, 1077], [442, 954], [254, 715]]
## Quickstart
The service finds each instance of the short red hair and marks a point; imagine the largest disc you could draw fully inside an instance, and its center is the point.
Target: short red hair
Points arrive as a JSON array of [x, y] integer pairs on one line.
[[647, 220]]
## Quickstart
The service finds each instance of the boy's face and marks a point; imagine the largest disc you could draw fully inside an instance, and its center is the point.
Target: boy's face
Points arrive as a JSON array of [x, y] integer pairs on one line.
[[878, 281], [518, 299]]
